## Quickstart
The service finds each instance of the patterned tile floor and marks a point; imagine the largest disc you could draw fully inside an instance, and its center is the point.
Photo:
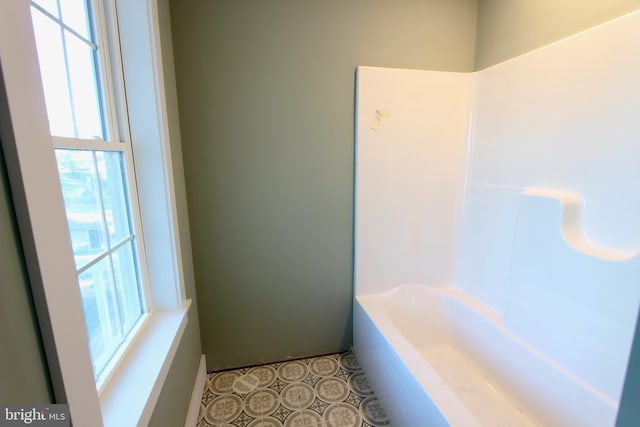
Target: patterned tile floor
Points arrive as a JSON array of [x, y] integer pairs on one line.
[[325, 391]]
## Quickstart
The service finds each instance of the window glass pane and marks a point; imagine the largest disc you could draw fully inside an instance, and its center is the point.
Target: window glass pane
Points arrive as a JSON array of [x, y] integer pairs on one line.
[[53, 74], [114, 195], [101, 313], [126, 275], [50, 6], [94, 182], [81, 192], [86, 104], [74, 14]]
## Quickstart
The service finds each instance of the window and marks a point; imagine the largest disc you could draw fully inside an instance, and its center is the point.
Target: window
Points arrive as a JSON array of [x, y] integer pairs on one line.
[[95, 171], [37, 190]]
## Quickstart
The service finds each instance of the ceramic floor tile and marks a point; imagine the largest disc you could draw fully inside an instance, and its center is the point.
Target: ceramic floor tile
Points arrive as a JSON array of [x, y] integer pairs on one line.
[[325, 391]]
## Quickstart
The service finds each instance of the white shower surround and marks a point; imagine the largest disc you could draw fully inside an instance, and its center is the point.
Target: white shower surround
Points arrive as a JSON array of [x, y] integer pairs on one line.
[[515, 186]]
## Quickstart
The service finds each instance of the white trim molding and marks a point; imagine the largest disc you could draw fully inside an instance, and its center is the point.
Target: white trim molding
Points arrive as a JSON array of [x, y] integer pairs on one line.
[[131, 396], [196, 395], [37, 197], [144, 86]]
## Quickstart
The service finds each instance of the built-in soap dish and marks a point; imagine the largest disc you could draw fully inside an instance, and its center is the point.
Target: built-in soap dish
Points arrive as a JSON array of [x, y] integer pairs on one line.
[[572, 233]]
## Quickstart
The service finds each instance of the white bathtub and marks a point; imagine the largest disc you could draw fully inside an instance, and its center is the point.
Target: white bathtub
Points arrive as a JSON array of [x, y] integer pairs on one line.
[[438, 357]]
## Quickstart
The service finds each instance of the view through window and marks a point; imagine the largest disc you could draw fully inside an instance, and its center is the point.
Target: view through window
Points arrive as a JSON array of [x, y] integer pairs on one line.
[[95, 170]]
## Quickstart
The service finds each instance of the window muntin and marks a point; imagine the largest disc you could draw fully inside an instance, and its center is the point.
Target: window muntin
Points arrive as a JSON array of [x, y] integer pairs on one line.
[[95, 175]]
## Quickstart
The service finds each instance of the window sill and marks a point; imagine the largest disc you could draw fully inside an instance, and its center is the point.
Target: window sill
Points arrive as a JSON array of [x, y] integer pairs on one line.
[[132, 392]]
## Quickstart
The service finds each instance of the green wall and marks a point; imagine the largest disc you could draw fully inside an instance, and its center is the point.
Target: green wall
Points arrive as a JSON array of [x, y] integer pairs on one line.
[[24, 377], [266, 97], [173, 403], [629, 412], [508, 28], [266, 103]]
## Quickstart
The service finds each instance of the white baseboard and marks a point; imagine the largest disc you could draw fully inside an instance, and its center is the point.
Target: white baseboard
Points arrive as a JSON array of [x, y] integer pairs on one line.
[[196, 395]]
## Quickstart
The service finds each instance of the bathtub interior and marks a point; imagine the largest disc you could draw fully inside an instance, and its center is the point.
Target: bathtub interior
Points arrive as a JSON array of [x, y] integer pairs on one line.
[[472, 365], [515, 187], [412, 305], [461, 371]]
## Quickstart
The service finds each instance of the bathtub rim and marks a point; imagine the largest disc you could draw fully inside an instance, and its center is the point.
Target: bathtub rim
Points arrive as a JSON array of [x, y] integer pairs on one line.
[[451, 406], [442, 397]]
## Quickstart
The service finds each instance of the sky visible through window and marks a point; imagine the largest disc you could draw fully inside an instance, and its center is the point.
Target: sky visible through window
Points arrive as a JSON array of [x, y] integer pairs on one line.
[[67, 52]]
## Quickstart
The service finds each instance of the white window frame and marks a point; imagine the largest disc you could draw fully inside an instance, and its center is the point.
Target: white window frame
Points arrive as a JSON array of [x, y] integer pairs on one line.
[[115, 122], [130, 395]]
